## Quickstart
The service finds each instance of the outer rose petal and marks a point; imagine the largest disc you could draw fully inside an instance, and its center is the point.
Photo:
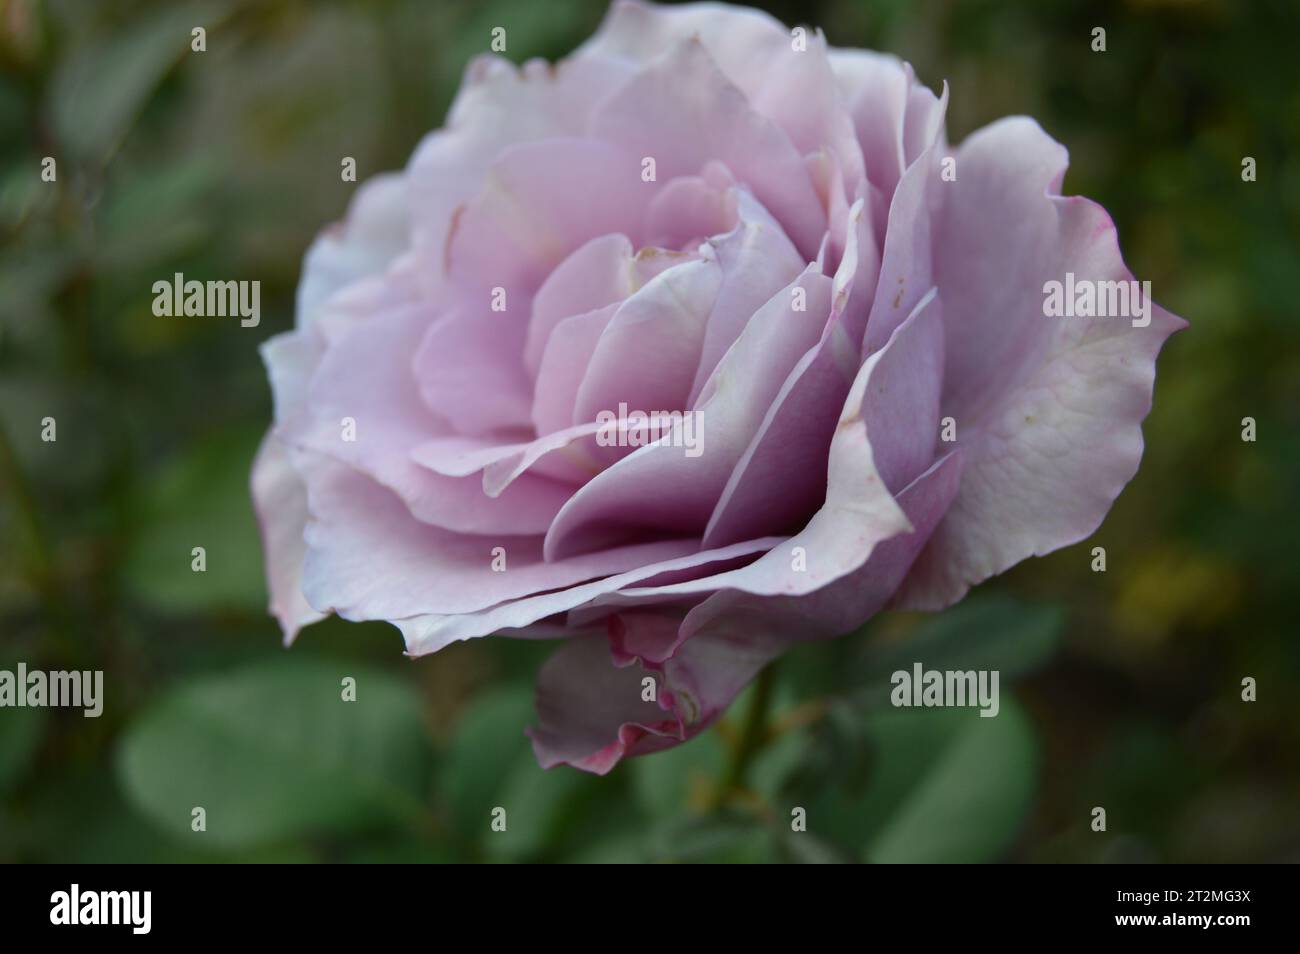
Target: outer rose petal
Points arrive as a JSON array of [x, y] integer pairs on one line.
[[794, 88], [589, 695], [432, 631], [281, 503], [390, 420], [368, 558], [591, 713], [375, 232], [1048, 410], [498, 105]]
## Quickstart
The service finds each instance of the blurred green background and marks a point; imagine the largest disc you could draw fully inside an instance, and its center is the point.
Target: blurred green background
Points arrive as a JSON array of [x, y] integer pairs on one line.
[[1120, 689]]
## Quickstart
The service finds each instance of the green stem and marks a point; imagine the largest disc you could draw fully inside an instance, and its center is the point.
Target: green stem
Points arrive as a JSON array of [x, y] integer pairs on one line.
[[753, 734], [39, 559]]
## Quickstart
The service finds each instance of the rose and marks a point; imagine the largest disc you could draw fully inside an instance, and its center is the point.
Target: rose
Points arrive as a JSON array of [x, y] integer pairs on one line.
[[698, 212]]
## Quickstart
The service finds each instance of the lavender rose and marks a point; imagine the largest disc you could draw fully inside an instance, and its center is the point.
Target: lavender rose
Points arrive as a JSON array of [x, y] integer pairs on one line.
[[700, 343]]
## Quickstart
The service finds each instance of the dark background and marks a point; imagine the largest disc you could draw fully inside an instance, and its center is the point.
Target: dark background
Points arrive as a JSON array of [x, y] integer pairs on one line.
[[224, 164]]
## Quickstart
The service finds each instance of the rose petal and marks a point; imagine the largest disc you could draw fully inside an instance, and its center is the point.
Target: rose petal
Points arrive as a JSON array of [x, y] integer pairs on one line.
[[682, 111], [368, 558], [757, 261], [591, 713], [375, 231], [540, 202], [630, 495], [498, 105], [651, 347], [872, 449], [280, 499], [1048, 411], [389, 419], [431, 632], [569, 348]]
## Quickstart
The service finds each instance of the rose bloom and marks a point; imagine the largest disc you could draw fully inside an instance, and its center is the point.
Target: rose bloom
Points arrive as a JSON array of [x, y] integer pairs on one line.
[[703, 212]]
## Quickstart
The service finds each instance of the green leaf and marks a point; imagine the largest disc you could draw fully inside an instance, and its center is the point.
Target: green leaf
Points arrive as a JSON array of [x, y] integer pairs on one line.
[[803, 848], [274, 751], [949, 785], [715, 839], [778, 762], [667, 783], [537, 805], [103, 85], [21, 730], [989, 632], [486, 747], [201, 499], [20, 737], [154, 215]]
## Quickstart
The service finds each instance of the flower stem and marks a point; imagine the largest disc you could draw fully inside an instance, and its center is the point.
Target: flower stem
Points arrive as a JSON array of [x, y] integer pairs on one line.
[[753, 734]]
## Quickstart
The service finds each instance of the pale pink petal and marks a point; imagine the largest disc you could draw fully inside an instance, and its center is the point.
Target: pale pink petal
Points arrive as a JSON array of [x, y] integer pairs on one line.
[[368, 558], [595, 275], [630, 495], [873, 451], [540, 202], [591, 713], [688, 210], [757, 260], [281, 503], [1048, 411], [651, 347], [387, 418], [469, 371], [375, 231], [876, 88], [737, 37], [906, 266], [681, 111], [589, 693], [429, 633], [569, 349], [498, 105]]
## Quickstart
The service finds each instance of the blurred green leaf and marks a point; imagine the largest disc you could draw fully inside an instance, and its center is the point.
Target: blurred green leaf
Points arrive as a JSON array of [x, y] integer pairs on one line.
[[803, 848], [20, 736], [716, 839], [200, 499], [950, 786], [488, 742], [155, 214], [101, 86], [778, 761], [535, 801], [20, 733], [273, 751], [667, 783]]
